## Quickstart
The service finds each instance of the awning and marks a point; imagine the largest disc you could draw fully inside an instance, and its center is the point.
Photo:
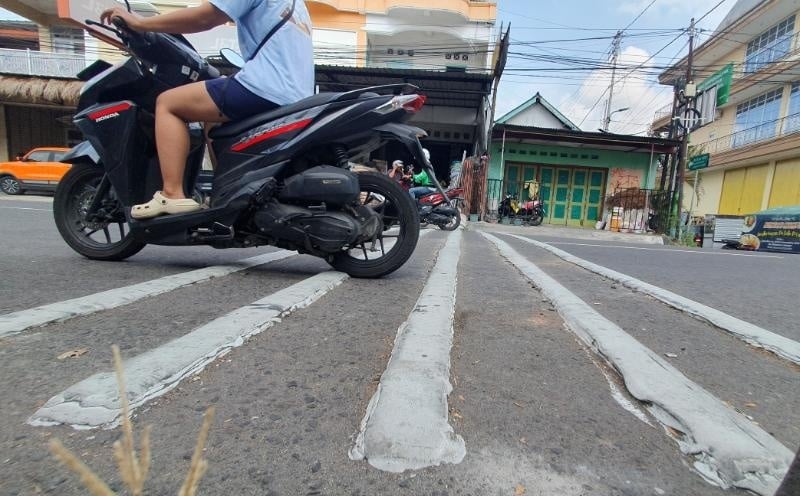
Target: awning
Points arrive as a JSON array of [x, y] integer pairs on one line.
[[583, 139], [40, 91]]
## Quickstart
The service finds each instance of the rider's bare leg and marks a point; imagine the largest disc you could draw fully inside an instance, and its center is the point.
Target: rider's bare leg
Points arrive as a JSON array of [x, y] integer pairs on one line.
[[174, 109]]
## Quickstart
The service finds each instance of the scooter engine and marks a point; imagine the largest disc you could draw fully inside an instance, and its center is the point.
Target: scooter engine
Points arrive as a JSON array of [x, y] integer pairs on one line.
[[307, 230]]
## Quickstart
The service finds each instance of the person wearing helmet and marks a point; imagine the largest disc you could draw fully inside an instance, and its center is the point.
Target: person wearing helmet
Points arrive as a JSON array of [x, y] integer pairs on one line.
[[422, 181]]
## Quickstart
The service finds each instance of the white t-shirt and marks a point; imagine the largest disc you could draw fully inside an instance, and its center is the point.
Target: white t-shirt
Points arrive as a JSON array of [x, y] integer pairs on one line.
[[283, 70]]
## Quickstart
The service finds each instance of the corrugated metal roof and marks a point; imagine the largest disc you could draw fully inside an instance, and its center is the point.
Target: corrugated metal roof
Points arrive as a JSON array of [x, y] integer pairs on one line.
[[450, 89], [600, 140]]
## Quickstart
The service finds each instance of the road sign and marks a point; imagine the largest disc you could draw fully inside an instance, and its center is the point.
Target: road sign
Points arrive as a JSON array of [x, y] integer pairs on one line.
[[722, 79], [699, 162]]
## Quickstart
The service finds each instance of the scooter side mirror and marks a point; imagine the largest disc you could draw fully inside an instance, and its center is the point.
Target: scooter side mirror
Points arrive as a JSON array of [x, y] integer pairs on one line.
[[232, 57]]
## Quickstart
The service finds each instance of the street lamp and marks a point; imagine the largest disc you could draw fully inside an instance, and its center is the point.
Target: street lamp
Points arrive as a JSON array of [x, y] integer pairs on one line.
[[608, 119]]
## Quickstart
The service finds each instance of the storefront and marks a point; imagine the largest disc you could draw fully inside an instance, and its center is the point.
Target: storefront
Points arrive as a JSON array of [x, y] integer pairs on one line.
[[571, 171]]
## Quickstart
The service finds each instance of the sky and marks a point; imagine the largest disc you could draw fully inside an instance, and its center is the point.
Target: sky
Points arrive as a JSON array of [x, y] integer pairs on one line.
[[561, 49], [550, 54]]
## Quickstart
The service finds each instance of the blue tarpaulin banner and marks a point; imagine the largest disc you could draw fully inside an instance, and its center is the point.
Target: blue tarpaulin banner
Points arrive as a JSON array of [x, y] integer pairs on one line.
[[776, 229]]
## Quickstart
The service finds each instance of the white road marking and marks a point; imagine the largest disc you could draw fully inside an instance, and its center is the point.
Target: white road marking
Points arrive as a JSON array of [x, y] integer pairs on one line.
[[94, 402], [405, 426], [27, 208], [16, 322], [747, 332], [728, 448], [676, 250], [34, 199]]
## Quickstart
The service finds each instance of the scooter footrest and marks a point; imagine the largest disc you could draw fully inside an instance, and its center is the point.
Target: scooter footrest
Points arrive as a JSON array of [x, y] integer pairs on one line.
[[266, 192]]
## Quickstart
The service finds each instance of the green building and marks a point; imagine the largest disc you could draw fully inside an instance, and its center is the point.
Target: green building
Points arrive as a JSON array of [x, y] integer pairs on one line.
[[535, 148]]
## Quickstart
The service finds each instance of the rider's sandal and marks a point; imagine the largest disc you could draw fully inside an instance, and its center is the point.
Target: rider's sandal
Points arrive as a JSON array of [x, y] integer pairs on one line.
[[160, 205]]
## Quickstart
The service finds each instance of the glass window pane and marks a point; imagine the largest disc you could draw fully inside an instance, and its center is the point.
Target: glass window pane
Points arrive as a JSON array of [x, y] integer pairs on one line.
[[38, 156]]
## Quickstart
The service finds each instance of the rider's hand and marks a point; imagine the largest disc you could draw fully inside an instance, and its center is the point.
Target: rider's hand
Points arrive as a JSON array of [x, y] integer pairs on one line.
[[133, 21]]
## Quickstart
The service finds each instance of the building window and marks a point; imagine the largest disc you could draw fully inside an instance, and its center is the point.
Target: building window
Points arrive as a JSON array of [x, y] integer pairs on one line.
[[756, 119], [792, 123], [773, 44], [67, 40]]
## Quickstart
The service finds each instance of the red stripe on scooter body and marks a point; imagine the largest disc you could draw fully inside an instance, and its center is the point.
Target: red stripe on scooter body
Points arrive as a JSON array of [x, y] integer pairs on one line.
[[294, 126], [110, 110]]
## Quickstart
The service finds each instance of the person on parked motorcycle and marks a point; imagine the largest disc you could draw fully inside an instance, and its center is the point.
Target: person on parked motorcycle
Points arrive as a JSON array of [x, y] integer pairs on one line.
[[280, 73], [397, 173], [423, 182]]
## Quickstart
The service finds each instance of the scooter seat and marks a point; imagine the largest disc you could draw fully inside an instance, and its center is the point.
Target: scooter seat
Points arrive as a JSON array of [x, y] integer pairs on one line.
[[238, 127], [235, 128]]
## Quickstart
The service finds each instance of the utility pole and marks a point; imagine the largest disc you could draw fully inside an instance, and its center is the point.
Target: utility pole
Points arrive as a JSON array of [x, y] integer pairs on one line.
[[689, 94], [614, 54]]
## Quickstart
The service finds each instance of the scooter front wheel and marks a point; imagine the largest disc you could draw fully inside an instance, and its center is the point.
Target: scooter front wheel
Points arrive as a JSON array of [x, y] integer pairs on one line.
[[101, 235], [395, 244]]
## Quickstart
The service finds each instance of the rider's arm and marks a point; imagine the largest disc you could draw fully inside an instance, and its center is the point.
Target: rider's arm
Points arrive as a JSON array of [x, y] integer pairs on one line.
[[189, 20]]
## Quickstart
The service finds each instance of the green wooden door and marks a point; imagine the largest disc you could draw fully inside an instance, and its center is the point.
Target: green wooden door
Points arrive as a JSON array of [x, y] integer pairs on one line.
[[561, 197], [546, 179], [577, 198], [594, 199], [528, 174], [511, 185]]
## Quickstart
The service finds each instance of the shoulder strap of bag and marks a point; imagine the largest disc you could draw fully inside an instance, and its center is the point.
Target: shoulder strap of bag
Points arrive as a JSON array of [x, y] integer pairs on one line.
[[272, 32]]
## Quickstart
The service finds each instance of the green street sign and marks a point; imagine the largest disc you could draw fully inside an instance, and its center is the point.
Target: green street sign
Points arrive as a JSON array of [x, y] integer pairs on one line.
[[722, 79], [699, 162]]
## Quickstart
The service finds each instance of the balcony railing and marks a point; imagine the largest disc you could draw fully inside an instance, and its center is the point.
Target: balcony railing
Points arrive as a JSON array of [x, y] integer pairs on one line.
[[664, 111], [34, 63], [766, 131]]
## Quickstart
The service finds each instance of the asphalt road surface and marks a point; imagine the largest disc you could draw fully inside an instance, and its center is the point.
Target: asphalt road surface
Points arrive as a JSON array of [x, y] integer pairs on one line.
[[487, 365]]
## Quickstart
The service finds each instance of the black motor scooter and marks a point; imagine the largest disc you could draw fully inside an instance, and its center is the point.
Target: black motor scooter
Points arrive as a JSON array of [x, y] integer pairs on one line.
[[282, 178]]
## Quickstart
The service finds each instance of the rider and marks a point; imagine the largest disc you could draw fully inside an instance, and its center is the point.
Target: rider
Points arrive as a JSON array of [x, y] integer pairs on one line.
[[398, 174], [424, 184], [280, 73]]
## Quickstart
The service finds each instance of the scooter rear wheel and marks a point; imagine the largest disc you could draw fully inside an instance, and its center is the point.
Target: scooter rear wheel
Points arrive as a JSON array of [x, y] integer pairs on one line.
[[452, 225], [108, 238], [392, 247]]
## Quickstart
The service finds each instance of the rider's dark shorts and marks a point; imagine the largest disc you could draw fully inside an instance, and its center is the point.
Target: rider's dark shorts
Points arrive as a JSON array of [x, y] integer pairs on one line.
[[235, 101]]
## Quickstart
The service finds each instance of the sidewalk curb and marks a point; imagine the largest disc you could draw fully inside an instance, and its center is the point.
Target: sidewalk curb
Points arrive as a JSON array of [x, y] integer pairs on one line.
[[570, 232]]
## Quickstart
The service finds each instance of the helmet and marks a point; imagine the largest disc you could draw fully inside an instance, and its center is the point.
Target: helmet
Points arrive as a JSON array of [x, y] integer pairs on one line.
[[427, 154]]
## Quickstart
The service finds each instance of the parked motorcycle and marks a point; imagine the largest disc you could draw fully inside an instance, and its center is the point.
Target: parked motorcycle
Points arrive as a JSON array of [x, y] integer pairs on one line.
[[531, 212], [441, 209], [508, 207], [282, 178]]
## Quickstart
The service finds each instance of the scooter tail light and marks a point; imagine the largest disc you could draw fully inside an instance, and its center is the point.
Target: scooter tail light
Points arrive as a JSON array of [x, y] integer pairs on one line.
[[409, 103], [415, 105]]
